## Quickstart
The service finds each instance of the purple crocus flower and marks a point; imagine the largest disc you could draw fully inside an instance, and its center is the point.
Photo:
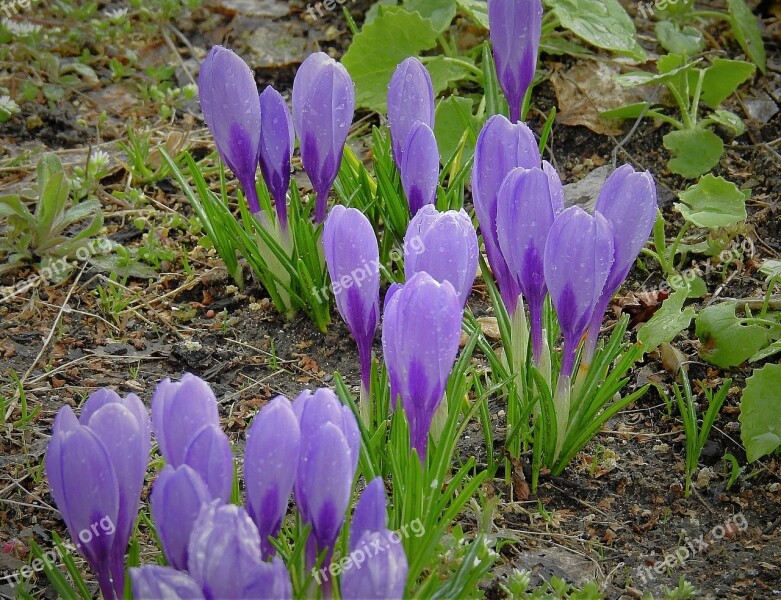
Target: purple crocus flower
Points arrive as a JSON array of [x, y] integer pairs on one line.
[[270, 457], [628, 201], [420, 336], [578, 258], [370, 511], [272, 582], [85, 489], [526, 209], [353, 258], [153, 582], [209, 454], [277, 139], [229, 101], [176, 500], [383, 575], [516, 26], [323, 106], [420, 167], [448, 248], [410, 99], [501, 147]]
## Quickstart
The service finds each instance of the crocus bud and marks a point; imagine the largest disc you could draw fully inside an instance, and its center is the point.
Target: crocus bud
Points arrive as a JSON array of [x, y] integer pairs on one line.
[[501, 147], [410, 99], [628, 201], [272, 582], [516, 26], [371, 512], [277, 139], [153, 582], [526, 209], [448, 248], [420, 336], [383, 575], [179, 410], [224, 551], [420, 167], [353, 259], [323, 105], [209, 454], [229, 101], [176, 499], [578, 258], [270, 459]]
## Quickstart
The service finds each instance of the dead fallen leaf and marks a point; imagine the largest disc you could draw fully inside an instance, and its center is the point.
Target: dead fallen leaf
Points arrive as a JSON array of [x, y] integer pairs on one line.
[[489, 327], [640, 306]]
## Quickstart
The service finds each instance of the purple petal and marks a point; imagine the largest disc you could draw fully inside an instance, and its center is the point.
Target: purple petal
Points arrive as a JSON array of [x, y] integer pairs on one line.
[[410, 99], [272, 583], [448, 248], [152, 582], [373, 574], [209, 454], [176, 499], [420, 167], [515, 27], [370, 512], [270, 459], [277, 139]]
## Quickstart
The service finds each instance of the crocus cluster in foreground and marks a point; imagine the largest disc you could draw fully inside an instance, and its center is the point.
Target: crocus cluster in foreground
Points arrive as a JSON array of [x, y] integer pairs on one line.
[[96, 467], [249, 128]]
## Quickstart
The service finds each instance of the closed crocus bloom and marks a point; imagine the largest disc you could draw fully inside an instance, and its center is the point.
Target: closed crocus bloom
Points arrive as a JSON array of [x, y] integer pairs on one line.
[[270, 461], [229, 101], [370, 512], [410, 100], [353, 258], [85, 489], [420, 335], [628, 201], [515, 27], [501, 147], [271, 583], [209, 454], [323, 106], [420, 167], [578, 258], [122, 425], [448, 248], [179, 410], [526, 210], [176, 500], [224, 551], [277, 139], [152, 582], [383, 575]]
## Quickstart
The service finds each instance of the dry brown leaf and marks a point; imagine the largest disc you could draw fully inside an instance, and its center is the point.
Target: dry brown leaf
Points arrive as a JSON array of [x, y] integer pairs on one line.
[[489, 327]]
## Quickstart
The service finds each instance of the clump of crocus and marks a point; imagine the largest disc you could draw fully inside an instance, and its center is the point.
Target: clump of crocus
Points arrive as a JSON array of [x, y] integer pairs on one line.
[[628, 202], [96, 466], [528, 203], [449, 248], [420, 167], [516, 26], [501, 147], [277, 139], [187, 428], [410, 100], [330, 443], [273, 447], [420, 336], [323, 105], [229, 101], [353, 257], [382, 575]]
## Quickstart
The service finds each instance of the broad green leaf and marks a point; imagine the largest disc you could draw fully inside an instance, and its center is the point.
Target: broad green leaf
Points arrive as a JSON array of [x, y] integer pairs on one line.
[[602, 23], [695, 286], [721, 79], [477, 10], [673, 8], [695, 151], [449, 126], [630, 111], [378, 49], [746, 30], [558, 44], [767, 352], [687, 39], [374, 10], [667, 322], [713, 202], [760, 412], [729, 120], [636, 78], [770, 267], [443, 72], [439, 12], [726, 340]]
